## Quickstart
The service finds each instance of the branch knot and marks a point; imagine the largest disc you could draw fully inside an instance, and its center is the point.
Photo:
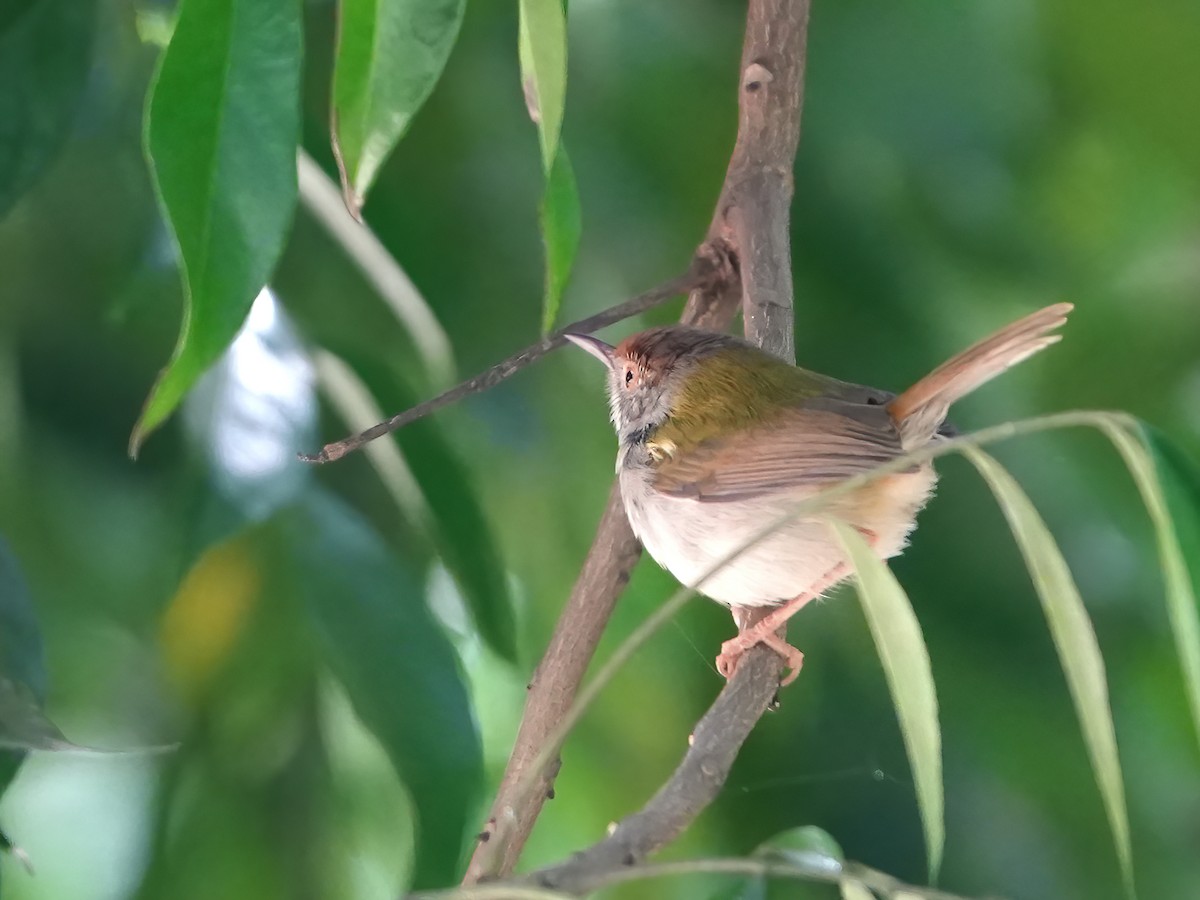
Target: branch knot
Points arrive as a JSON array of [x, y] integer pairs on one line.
[[755, 77]]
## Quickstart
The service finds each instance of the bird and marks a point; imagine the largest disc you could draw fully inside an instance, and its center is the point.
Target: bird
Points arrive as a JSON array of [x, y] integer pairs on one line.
[[718, 438]]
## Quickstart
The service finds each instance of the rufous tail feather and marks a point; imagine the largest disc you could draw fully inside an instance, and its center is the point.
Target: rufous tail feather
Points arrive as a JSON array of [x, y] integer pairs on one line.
[[921, 410]]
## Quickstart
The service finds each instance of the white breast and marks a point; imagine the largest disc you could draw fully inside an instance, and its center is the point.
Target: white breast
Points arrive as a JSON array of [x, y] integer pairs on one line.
[[690, 538]]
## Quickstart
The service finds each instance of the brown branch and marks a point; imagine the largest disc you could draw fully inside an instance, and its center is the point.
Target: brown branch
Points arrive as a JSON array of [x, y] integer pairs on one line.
[[614, 553], [748, 237], [714, 746], [815, 869], [756, 199], [704, 270]]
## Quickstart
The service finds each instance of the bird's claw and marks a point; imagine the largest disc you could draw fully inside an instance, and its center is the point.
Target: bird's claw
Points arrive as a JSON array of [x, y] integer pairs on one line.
[[734, 649]]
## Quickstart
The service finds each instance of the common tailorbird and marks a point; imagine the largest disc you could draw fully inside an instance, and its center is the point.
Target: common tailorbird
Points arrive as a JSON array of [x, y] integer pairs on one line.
[[718, 439]]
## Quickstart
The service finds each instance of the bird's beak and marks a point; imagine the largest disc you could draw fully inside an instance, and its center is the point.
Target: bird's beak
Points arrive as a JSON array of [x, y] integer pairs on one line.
[[594, 346]]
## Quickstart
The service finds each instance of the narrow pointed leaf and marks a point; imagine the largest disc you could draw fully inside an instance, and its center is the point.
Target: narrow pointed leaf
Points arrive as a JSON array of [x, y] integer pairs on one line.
[[562, 226], [1075, 640], [399, 671], [906, 664], [221, 134], [1170, 488], [45, 57], [542, 47], [390, 56]]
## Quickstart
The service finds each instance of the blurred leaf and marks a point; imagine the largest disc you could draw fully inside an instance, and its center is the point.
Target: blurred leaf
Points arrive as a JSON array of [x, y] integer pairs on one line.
[[325, 203], [363, 778], [247, 415], [542, 48], [562, 226], [398, 669], [390, 55], [12, 10], [1075, 640], [1170, 487], [23, 725], [459, 527], [221, 134], [209, 614], [45, 57], [905, 661], [22, 658], [22, 667], [807, 846], [853, 889]]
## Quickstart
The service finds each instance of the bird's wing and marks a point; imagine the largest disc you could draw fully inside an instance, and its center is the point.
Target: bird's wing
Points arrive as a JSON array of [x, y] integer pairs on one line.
[[825, 440]]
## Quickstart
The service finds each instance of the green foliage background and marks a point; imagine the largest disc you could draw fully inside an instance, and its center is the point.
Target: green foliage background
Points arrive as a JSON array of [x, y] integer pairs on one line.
[[960, 164]]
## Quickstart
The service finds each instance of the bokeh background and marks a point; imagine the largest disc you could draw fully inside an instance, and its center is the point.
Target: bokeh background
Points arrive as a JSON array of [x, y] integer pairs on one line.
[[961, 164]]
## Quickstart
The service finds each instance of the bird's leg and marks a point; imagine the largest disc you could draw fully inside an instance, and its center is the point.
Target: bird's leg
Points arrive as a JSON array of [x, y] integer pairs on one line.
[[760, 626], [749, 621]]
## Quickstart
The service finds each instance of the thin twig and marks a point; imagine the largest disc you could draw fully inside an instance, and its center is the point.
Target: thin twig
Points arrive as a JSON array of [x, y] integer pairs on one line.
[[698, 274], [351, 400]]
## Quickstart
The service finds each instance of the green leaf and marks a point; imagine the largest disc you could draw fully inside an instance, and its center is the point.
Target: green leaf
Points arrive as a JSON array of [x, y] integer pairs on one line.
[[562, 226], [22, 664], [807, 846], [542, 47], [398, 669], [22, 658], [1075, 640], [390, 55], [1170, 487], [457, 522], [905, 661], [12, 11], [45, 57], [221, 134], [23, 725]]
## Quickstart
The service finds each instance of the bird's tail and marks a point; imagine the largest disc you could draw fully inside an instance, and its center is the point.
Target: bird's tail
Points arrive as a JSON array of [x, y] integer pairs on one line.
[[920, 410]]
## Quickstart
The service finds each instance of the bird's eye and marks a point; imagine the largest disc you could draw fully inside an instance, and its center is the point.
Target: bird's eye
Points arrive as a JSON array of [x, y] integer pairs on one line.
[[628, 375]]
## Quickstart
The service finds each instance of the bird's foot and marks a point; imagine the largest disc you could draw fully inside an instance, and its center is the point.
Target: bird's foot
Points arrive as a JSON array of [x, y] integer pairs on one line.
[[757, 625], [734, 649]]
